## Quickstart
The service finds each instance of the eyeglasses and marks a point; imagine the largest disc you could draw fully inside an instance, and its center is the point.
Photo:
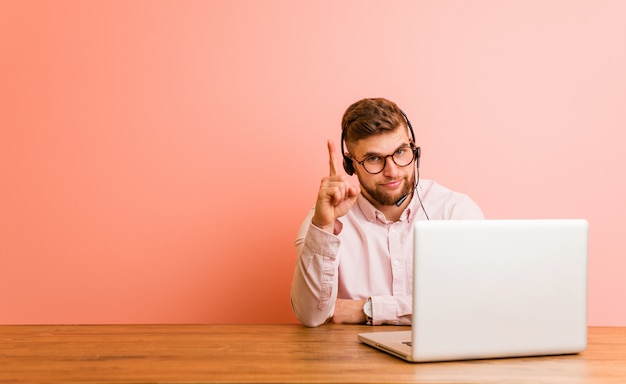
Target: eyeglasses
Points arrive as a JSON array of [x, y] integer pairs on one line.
[[402, 157]]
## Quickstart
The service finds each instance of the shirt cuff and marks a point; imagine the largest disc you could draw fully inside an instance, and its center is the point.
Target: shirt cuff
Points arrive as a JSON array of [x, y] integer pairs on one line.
[[391, 310]]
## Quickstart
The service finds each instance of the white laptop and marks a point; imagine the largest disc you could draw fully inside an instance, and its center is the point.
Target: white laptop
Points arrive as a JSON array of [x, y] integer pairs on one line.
[[494, 288]]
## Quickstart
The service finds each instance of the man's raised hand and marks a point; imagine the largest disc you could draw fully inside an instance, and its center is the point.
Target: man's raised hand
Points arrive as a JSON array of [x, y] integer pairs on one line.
[[335, 197]]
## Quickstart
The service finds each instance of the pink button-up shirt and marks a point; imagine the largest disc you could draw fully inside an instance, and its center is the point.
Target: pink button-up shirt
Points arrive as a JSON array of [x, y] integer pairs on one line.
[[369, 257]]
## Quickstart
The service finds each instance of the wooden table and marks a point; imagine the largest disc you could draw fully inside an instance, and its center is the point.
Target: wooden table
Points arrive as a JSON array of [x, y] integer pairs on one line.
[[270, 353]]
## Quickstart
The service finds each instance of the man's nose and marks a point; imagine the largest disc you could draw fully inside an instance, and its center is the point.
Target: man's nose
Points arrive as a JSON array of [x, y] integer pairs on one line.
[[391, 168]]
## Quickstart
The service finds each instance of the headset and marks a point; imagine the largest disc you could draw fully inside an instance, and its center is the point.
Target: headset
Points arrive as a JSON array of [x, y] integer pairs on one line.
[[348, 162]]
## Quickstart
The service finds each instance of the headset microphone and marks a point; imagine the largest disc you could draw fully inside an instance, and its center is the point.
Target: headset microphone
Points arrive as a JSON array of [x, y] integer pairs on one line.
[[399, 202]]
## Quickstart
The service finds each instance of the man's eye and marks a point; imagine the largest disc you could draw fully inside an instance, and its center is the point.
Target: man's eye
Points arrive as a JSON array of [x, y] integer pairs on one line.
[[400, 151], [373, 159]]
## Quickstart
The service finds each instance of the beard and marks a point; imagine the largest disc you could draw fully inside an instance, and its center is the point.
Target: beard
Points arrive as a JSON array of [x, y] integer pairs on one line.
[[384, 198]]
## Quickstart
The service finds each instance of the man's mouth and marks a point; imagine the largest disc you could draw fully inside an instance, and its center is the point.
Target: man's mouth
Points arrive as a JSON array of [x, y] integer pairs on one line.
[[393, 184]]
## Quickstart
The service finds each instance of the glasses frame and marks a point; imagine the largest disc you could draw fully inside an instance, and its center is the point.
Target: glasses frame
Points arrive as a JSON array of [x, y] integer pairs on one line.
[[411, 146]]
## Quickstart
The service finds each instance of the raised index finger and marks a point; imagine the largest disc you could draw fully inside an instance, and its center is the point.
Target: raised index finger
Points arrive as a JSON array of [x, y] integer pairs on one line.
[[332, 158]]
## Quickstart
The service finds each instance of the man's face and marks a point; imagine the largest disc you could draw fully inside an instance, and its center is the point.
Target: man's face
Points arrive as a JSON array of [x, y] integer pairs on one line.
[[393, 182]]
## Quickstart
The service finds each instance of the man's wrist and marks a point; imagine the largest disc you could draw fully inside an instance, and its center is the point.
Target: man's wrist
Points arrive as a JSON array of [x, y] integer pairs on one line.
[[333, 228], [368, 310], [324, 227]]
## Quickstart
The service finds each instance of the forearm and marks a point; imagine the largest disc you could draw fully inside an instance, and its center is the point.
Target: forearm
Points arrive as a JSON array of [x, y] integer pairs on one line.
[[314, 284]]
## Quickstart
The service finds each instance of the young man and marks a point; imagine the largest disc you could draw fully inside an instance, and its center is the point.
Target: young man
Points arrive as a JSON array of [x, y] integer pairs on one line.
[[355, 249]]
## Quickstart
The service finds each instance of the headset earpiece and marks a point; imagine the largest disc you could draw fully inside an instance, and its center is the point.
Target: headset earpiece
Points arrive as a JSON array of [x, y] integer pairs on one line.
[[418, 153], [348, 165], [417, 150]]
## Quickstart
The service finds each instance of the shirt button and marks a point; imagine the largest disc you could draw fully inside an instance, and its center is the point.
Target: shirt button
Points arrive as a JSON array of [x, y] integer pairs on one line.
[[396, 263]]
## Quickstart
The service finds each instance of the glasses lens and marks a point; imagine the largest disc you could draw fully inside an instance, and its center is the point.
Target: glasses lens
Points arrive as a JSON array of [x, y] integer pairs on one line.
[[403, 157], [374, 164]]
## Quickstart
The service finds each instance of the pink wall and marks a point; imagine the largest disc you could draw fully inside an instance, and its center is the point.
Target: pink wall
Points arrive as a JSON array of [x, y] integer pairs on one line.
[[157, 157]]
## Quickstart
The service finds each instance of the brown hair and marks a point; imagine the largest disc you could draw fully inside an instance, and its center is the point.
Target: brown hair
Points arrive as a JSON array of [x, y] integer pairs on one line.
[[370, 117]]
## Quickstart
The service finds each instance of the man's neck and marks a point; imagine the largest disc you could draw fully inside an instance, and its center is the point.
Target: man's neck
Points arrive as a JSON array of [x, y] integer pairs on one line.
[[391, 212]]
